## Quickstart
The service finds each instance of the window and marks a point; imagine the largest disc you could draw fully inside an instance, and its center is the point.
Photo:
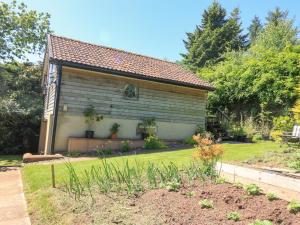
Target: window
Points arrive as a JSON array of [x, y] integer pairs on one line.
[[130, 91]]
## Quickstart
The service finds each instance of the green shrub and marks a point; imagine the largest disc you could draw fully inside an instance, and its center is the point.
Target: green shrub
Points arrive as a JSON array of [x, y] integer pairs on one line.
[[235, 216], [294, 165], [190, 141], [125, 146], [102, 152], [206, 203], [173, 186], [257, 137], [294, 207], [283, 123], [153, 142], [252, 189], [199, 129], [272, 196], [262, 222]]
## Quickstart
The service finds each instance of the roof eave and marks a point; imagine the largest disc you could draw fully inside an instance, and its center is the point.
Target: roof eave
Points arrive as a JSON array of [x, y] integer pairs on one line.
[[127, 74]]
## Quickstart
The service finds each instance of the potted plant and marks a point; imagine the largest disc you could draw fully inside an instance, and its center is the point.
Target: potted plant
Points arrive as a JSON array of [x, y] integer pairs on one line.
[[114, 130], [147, 127], [91, 116]]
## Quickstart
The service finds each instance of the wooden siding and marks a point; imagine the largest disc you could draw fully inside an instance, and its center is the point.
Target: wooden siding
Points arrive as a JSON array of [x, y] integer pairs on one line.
[[179, 104]]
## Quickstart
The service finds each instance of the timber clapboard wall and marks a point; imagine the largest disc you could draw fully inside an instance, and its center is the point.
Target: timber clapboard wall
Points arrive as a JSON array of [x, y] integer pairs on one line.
[[177, 110]]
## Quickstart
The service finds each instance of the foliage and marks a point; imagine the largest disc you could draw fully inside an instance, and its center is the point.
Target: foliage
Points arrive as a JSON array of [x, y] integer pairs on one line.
[[23, 31], [208, 152], [249, 128], [190, 194], [147, 126], [296, 106], [206, 204], [20, 107], [115, 128], [216, 35], [173, 186], [220, 180], [283, 123], [294, 165], [103, 151], [199, 129], [252, 189], [257, 137], [153, 142], [91, 116], [190, 141], [125, 146], [294, 207], [271, 196], [261, 222], [276, 135], [254, 29], [238, 185], [235, 216]]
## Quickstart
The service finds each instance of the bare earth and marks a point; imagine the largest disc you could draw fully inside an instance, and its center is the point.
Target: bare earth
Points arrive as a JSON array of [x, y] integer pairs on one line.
[[160, 206]]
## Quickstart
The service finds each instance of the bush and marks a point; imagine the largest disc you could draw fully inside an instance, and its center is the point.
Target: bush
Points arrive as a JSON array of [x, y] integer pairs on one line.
[[125, 146], [257, 137], [252, 189], [206, 203], [294, 165], [283, 123], [262, 222], [276, 135], [189, 141], [271, 197], [235, 216], [153, 142], [199, 129], [293, 207]]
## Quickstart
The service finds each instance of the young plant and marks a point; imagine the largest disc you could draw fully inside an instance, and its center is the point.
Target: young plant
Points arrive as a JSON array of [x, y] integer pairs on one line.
[[115, 128], [173, 186], [125, 146], [220, 180], [238, 185], [91, 116], [294, 207], [208, 152], [261, 222], [235, 216], [271, 196], [153, 142], [190, 194], [206, 204], [252, 189]]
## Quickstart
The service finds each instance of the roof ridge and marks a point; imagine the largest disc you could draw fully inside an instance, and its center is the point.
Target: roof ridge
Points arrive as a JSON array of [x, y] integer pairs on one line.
[[115, 49]]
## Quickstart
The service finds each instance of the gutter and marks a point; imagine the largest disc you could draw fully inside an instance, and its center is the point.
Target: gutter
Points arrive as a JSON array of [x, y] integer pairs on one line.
[[127, 74]]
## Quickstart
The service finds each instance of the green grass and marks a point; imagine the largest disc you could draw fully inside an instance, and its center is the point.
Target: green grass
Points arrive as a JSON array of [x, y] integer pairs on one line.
[[10, 160], [38, 176]]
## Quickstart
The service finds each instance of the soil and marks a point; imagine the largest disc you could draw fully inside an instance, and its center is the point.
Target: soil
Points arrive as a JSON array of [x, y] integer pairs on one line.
[[161, 206]]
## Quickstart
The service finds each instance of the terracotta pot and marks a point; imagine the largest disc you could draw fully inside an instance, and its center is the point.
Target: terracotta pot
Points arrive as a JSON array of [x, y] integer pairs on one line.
[[114, 136]]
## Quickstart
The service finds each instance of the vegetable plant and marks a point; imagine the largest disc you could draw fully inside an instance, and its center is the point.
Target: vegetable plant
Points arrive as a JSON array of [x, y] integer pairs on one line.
[[235, 216], [206, 203]]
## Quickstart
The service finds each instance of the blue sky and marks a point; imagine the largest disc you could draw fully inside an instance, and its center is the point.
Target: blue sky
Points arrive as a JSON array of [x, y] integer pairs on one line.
[[153, 27]]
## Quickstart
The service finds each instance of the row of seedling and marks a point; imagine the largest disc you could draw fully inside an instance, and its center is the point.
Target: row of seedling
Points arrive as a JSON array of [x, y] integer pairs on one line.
[[130, 177]]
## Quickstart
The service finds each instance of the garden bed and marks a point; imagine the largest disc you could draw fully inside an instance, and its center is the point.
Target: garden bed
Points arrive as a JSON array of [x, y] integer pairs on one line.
[[160, 206]]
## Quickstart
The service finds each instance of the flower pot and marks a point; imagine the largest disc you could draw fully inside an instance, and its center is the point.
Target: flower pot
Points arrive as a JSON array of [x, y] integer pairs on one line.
[[114, 136], [89, 134]]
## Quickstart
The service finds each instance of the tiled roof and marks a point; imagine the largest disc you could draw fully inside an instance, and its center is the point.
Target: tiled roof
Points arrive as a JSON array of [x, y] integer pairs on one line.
[[83, 54]]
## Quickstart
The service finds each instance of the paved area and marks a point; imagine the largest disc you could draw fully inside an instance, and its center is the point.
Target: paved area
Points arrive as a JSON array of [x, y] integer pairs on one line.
[[287, 188], [12, 201]]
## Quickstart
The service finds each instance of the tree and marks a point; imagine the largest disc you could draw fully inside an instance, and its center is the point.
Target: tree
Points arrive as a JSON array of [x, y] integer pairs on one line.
[[254, 29], [276, 16], [20, 106], [22, 31], [216, 35]]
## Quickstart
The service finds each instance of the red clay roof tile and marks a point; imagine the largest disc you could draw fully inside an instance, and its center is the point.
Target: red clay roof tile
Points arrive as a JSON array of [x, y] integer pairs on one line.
[[73, 51]]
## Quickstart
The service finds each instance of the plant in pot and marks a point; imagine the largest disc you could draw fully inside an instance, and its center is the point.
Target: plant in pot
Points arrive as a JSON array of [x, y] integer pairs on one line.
[[114, 130], [147, 127], [91, 116]]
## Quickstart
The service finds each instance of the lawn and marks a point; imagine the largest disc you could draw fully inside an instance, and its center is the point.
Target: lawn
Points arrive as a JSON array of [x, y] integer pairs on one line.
[[10, 160], [38, 175]]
